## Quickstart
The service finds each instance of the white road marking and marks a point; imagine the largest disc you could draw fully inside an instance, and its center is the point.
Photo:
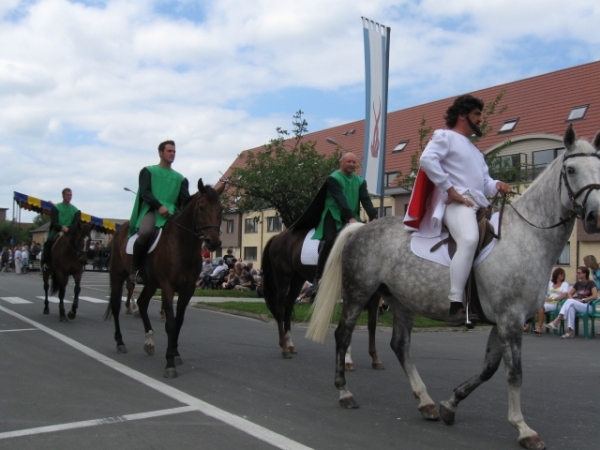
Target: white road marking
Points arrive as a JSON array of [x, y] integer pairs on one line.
[[92, 299], [252, 429], [22, 329], [95, 422], [15, 300], [53, 299]]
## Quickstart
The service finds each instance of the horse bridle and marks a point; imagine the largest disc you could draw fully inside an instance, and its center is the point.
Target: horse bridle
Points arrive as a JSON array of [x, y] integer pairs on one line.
[[198, 229], [578, 208]]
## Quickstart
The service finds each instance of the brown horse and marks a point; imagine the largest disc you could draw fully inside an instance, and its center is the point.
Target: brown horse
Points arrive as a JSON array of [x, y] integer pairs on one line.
[[68, 256], [173, 266], [283, 277]]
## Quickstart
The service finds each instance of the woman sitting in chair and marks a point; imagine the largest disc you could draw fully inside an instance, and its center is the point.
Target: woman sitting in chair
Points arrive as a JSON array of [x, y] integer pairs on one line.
[[558, 289], [582, 292]]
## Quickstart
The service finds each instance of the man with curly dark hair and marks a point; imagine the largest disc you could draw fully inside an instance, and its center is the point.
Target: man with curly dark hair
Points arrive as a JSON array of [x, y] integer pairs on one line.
[[461, 177]]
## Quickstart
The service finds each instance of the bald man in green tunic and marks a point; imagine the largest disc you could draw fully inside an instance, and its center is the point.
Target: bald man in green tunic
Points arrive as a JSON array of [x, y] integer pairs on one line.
[[62, 216], [337, 204], [161, 193]]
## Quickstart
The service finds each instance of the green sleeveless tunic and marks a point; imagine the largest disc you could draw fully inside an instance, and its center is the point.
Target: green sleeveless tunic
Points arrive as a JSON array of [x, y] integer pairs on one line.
[[66, 214], [350, 188], [166, 185]]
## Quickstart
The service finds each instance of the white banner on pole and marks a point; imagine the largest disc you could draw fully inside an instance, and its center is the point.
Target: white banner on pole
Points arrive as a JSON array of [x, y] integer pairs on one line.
[[377, 38]]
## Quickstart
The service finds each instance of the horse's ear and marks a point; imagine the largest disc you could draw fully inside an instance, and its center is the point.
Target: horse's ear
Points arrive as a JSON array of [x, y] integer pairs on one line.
[[200, 186], [570, 137], [596, 142]]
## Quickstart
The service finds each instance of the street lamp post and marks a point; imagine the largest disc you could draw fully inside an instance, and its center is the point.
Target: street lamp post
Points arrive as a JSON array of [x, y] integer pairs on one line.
[[129, 190]]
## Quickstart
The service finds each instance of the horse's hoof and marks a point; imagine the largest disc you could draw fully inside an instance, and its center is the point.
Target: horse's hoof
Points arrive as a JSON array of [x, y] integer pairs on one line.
[[71, 315], [286, 355], [446, 413], [63, 319], [149, 349], [377, 366], [429, 412], [532, 443], [121, 348], [349, 367], [171, 373], [348, 402], [46, 310], [293, 350], [178, 360]]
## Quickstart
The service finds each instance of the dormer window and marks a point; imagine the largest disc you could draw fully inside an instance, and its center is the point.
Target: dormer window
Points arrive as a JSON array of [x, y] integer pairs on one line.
[[508, 126], [401, 145], [577, 113]]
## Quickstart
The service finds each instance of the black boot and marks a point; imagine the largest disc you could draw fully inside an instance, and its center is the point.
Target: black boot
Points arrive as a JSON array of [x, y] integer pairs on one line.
[[457, 316], [136, 263]]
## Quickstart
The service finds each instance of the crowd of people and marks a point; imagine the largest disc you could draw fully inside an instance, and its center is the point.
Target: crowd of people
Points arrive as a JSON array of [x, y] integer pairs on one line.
[[19, 259], [228, 273]]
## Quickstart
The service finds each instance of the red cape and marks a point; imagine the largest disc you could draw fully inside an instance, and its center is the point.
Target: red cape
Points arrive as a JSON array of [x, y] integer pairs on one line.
[[417, 205]]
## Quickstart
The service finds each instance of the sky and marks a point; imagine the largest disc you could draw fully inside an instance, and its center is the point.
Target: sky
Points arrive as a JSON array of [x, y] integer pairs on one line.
[[89, 88]]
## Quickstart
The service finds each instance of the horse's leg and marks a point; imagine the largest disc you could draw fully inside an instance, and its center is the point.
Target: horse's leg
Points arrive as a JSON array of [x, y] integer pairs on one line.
[[143, 303], [182, 301], [45, 275], [116, 294], [77, 279], [288, 310], [505, 345], [129, 286], [62, 289], [373, 309], [343, 337], [400, 343], [170, 328]]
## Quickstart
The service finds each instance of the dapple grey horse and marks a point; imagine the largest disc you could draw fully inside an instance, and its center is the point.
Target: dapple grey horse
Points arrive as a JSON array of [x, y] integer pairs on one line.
[[568, 188]]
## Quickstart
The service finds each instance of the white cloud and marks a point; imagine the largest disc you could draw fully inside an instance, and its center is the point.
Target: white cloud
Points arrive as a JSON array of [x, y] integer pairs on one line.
[[88, 91]]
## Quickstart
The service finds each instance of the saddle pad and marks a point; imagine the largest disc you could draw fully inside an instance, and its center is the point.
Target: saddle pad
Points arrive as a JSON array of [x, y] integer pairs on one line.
[[421, 246], [131, 240], [310, 250]]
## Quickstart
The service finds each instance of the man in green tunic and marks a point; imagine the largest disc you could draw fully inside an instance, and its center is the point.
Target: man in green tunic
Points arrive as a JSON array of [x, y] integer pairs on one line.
[[337, 204], [161, 193], [62, 216]]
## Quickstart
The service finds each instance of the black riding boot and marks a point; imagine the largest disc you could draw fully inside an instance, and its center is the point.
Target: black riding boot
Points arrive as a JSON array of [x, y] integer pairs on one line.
[[457, 316], [136, 263]]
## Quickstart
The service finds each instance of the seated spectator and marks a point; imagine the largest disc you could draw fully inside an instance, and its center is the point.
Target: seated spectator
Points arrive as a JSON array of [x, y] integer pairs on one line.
[[234, 277], [229, 258], [582, 292], [305, 292], [218, 271], [558, 289], [247, 282], [204, 277]]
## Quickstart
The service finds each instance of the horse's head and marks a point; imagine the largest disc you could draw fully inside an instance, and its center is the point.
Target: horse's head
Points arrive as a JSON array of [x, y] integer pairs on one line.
[[580, 178], [207, 214], [79, 240]]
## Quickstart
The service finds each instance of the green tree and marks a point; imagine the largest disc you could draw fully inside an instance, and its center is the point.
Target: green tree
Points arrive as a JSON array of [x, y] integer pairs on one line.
[[285, 175], [40, 220], [9, 230]]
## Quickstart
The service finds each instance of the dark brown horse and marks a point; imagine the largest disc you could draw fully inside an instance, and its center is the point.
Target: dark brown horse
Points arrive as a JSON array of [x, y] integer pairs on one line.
[[173, 266], [283, 277], [68, 256]]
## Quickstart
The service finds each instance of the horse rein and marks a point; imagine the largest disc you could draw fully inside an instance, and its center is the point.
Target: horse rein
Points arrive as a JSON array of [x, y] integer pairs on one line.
[[197, 231], [578, 208]]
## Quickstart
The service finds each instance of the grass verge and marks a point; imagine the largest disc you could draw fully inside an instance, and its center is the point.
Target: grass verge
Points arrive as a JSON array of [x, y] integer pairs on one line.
[[302, 314]]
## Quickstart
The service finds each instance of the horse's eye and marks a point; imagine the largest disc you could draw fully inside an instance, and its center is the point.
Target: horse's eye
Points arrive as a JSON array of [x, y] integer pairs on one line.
[[570, 170]]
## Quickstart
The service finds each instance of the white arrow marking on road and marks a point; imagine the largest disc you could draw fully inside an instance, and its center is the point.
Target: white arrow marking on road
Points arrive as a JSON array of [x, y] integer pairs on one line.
[[15, 300]]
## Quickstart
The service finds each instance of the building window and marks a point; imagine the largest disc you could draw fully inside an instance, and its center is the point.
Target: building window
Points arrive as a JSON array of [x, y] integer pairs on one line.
[[229, 226], [250, 253], [387, 211], [542, 159], [509, 125], [250, 226], [389, 179], [577, 113], [401, 146], [507, 168], [273, 224], [565, 256]]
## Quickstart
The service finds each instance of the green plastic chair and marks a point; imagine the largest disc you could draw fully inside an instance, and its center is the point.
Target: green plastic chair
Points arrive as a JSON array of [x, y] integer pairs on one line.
[[594, 314], [586, 317]]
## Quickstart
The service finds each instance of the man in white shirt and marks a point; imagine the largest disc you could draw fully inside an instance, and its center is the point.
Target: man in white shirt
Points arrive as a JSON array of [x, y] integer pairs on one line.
[[458, 169], [18, 260]]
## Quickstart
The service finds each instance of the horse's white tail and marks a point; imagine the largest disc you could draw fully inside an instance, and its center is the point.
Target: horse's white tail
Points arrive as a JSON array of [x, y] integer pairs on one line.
[[330, 287]]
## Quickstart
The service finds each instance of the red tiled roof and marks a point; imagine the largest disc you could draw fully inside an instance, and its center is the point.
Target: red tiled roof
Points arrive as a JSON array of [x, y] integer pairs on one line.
[[541, 103]]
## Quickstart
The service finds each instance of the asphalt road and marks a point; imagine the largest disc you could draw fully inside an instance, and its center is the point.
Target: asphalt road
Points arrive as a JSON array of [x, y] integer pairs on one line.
[[64, 386]]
